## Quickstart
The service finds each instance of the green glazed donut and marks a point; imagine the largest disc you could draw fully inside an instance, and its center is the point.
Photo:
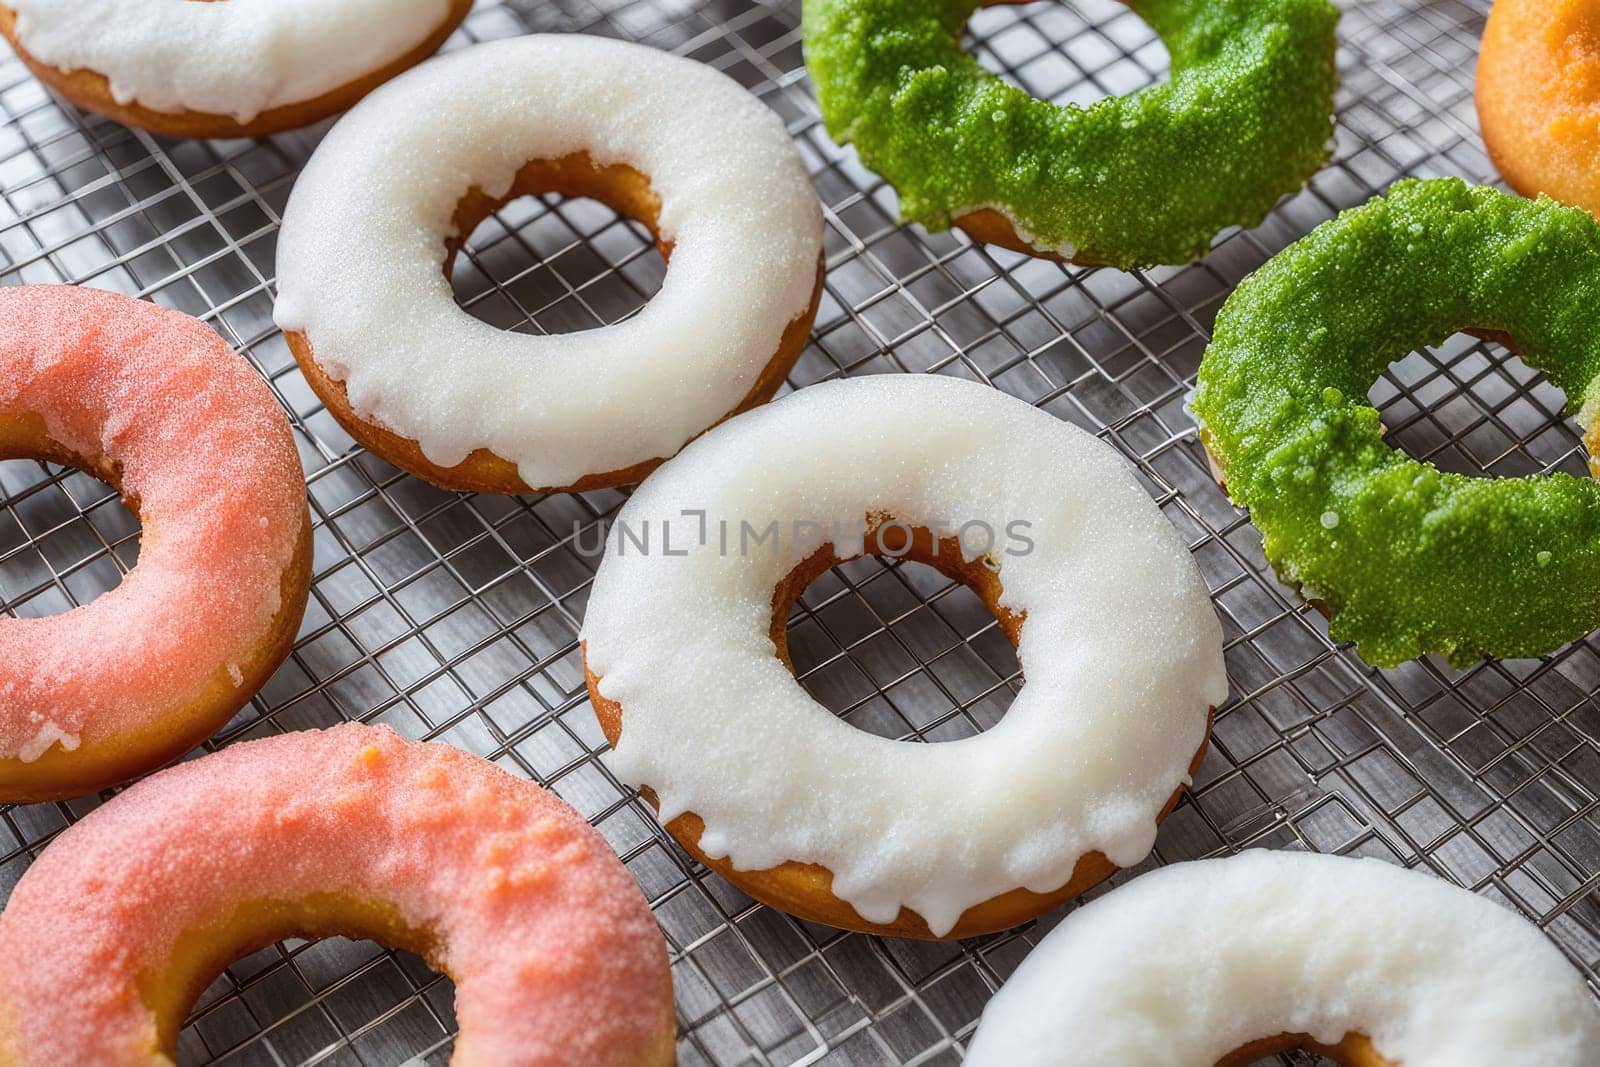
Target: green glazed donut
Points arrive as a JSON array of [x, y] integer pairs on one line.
[[1136, 180], [1408, 559]]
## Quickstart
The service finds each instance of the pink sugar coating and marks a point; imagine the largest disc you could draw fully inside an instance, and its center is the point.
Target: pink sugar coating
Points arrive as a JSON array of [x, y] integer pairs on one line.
[[207, 453], [556, 956]]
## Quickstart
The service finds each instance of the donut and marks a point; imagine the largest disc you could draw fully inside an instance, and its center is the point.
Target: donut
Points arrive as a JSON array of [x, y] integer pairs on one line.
[[1111, 621], [1246, 117], [156, 404], [1539, 97], [374, 222], [353, 831], [1405, 558], [1227, 961], [244, 68]]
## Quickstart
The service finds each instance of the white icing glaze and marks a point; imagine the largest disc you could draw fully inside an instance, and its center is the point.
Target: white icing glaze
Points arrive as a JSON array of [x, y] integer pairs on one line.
[[49, 734], [361, 251], [1190, 962], [238, 58], [1121, 648]]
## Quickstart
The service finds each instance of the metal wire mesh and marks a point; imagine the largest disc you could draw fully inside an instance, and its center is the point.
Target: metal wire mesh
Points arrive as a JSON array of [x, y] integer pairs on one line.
[[454, 617]]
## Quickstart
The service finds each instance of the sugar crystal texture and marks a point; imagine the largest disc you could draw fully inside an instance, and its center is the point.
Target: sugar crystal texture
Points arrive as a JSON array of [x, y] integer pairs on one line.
[[556, 957], [1538, 95], [1150, 177], [1410, 559], [206, 452]]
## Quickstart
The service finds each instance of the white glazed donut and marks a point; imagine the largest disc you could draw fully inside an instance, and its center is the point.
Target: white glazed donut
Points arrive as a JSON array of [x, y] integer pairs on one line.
[[239, 68], [1120, 647], [1371, 963], [377, 214]]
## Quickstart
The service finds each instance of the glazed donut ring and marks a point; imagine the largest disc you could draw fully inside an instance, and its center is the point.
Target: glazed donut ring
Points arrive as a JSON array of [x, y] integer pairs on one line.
[[128, 915], [1151, 177], [401, 180], [799, 809], [240, 68], [1227, 961], [1538, 88], [1409, 559], [158, 405]]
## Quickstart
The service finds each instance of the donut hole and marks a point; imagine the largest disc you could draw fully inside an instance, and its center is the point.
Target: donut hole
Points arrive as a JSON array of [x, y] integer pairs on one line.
[[293, 947], [307, 980], [1354, 1050], [66, 537], [1067, 53], [1472, 406], [573, 246], [901, 642]]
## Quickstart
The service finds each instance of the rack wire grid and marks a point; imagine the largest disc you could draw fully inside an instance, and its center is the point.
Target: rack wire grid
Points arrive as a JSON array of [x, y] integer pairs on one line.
[[454, 617]]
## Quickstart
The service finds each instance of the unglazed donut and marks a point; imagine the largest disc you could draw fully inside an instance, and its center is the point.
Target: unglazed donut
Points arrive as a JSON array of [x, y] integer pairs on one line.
[[1111, 620], [1538, 95], [374, 221], [129, 913], [155, 403], [1227, 961], [243, 68]]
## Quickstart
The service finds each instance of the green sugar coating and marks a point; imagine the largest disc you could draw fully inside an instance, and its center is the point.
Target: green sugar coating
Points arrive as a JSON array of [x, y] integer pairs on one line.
[[1245, 118], [1409, 559]]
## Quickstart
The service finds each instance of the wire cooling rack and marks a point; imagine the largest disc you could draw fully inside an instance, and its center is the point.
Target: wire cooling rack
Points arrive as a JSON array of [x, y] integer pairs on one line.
[[454, 617]]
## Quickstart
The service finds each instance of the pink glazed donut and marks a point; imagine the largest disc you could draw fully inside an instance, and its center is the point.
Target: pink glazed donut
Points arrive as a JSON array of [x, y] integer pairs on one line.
[[497, 883], [155, 403]]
